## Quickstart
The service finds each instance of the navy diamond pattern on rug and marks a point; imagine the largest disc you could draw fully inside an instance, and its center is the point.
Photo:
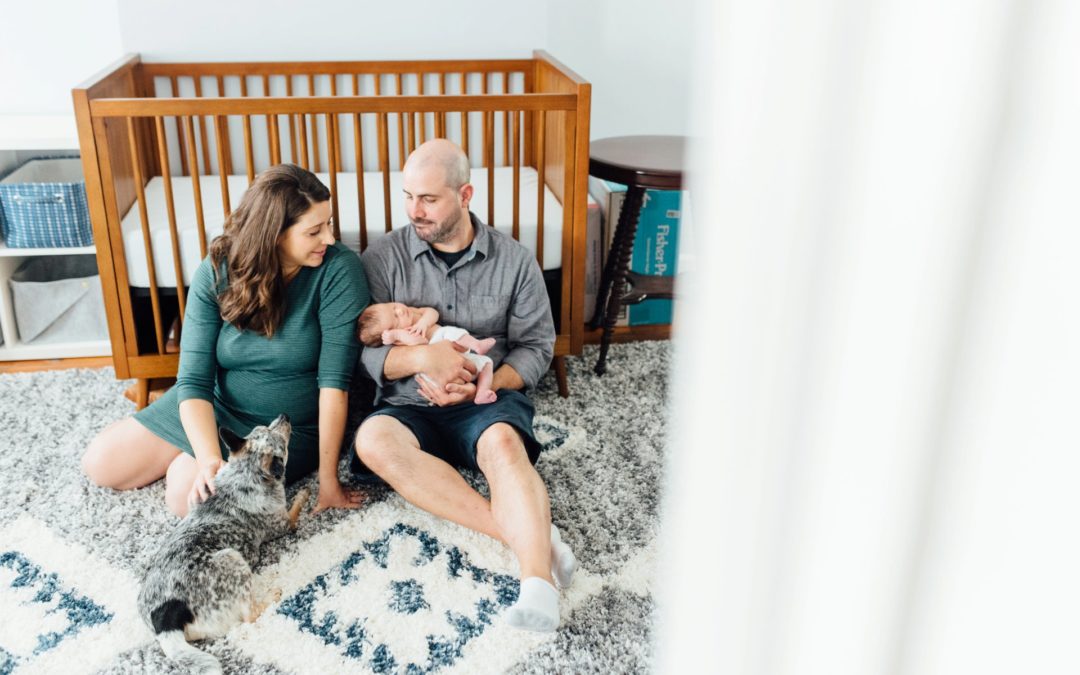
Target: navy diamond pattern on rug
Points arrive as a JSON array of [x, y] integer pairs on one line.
[[550, 436], [404, 602], [48, 612]]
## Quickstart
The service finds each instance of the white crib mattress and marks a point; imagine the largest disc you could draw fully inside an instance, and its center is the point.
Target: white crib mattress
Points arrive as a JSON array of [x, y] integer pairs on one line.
[[187, 225]]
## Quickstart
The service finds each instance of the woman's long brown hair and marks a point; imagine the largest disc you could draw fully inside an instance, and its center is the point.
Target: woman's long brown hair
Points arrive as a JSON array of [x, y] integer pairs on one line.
[[248, 249]]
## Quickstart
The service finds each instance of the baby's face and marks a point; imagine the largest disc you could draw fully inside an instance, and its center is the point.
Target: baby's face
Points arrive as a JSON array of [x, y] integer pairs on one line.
[[397, 315]]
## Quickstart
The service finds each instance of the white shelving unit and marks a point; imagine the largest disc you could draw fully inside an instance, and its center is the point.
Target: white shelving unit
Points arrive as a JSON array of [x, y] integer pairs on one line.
[[22, 137]]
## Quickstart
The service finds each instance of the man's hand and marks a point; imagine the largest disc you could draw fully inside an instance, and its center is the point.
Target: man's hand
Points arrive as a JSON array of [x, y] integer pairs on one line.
[[333, 496], [451, 394], [444, 362], [203, 486]]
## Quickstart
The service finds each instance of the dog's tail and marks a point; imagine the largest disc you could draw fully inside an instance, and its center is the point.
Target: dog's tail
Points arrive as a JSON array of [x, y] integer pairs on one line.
[[169, 620]]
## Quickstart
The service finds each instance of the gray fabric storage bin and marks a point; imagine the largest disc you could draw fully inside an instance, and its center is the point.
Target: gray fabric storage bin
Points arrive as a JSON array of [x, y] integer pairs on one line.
[[58, 299]]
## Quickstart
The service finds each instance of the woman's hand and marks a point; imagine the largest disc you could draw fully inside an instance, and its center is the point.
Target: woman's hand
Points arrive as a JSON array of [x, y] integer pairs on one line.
[[203, 485], [333, 496]]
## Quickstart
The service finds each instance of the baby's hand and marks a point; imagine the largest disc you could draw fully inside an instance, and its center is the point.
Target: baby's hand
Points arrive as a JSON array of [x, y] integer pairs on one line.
[[416, 330], [387, 338]]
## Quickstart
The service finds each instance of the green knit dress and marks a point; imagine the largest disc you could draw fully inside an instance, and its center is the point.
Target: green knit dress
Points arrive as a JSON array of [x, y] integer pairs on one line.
[[251, 379]]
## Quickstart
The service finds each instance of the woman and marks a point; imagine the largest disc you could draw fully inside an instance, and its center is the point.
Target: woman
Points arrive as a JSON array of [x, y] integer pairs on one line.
[[269, 328]]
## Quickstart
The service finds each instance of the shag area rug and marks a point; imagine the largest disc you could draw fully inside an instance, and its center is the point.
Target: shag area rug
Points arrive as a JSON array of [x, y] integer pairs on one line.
[[385, 589]]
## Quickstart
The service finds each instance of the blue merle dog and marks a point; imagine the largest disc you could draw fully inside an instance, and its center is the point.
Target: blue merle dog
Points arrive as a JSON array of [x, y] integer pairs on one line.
[[199, 584]]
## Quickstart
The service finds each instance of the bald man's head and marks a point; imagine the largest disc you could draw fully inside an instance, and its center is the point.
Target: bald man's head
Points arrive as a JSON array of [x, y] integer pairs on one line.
[[445, 155], [435, 180]]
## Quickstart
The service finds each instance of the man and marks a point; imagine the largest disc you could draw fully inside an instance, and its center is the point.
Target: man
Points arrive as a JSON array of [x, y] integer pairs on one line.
[[425, 423]]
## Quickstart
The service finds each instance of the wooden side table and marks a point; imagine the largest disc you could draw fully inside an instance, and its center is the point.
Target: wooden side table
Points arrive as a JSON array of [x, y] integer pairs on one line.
[[640, 163]]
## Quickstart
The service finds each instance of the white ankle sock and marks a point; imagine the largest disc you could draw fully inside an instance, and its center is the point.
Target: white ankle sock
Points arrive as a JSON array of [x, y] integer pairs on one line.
[[537, 606], [563, 561]]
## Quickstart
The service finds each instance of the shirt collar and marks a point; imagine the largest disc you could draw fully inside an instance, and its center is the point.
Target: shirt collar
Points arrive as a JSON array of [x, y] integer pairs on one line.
[[481, 243]]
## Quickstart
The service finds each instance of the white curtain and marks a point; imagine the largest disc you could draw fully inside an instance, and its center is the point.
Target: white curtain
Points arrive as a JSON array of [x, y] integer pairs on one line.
[[874, 464]]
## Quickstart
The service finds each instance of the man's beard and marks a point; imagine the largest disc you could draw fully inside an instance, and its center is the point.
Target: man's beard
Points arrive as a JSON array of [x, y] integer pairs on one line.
[[441, 233]]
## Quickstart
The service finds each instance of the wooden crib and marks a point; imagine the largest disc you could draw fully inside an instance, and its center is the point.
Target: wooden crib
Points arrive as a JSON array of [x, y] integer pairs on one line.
[[167, 148]]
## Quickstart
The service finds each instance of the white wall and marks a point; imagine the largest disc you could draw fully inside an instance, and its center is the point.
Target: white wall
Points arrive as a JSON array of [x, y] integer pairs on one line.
[[285, 30], [637, 55], [50, 46]]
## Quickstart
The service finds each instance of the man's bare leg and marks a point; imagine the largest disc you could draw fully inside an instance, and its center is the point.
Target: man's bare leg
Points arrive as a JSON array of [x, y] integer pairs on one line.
[[389, 449], [521, 510]]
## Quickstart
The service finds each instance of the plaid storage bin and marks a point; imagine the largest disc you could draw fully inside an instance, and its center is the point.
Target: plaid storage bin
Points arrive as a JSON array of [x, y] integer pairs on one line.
[[43, 204]]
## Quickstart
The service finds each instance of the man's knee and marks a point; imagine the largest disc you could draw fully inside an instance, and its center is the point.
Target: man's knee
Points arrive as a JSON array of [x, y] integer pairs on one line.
[[379, 442], [500, 446]]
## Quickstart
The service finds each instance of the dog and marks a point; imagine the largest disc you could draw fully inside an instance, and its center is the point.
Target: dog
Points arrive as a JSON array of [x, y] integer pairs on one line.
[[199, 584]]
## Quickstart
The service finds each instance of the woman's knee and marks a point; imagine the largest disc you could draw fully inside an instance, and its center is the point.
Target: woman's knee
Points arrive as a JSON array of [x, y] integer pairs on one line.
[[100, 463], [176, 500], [178, 480]]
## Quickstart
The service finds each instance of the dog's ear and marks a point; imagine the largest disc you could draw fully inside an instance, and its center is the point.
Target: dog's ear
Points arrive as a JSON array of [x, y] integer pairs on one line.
[[233, 442]]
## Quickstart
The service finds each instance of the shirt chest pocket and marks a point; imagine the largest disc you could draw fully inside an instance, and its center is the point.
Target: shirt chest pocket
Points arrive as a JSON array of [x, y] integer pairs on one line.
[[488, 314]]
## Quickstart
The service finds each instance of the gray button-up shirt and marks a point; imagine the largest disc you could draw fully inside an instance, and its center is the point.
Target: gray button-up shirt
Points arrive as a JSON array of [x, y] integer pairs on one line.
[[495, 290]]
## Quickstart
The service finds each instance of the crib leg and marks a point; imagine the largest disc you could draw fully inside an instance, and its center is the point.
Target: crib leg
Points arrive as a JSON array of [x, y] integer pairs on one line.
[[560, 376]]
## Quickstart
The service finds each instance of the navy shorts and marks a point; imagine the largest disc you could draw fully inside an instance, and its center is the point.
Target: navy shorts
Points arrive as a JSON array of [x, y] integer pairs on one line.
[[450, 433]]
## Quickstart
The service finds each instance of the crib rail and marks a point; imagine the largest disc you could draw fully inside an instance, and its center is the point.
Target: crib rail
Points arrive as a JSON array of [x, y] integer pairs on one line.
[[141, 121]]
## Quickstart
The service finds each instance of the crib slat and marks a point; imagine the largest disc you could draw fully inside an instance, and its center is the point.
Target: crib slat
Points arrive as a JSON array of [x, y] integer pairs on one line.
[[487, 138], [170, 209], [440, 117], [292, 122], [179, 131], [489, 160], [541, 124], [337, 121], [196, 186], [314, 128], [506, 122], [202, 130], [517, 176], [384, 156], [420, 116], [144, 220], [361, 205], [275, 139], [223, 160], [303, 140], [401, 125], [272, 139], [247, 134], [223, 136], [331, 156], [464, 118], [528, 135], [247, 150]]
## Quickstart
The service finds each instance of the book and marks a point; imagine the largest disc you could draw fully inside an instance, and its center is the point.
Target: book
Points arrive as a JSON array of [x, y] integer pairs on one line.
[[594, 265]]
